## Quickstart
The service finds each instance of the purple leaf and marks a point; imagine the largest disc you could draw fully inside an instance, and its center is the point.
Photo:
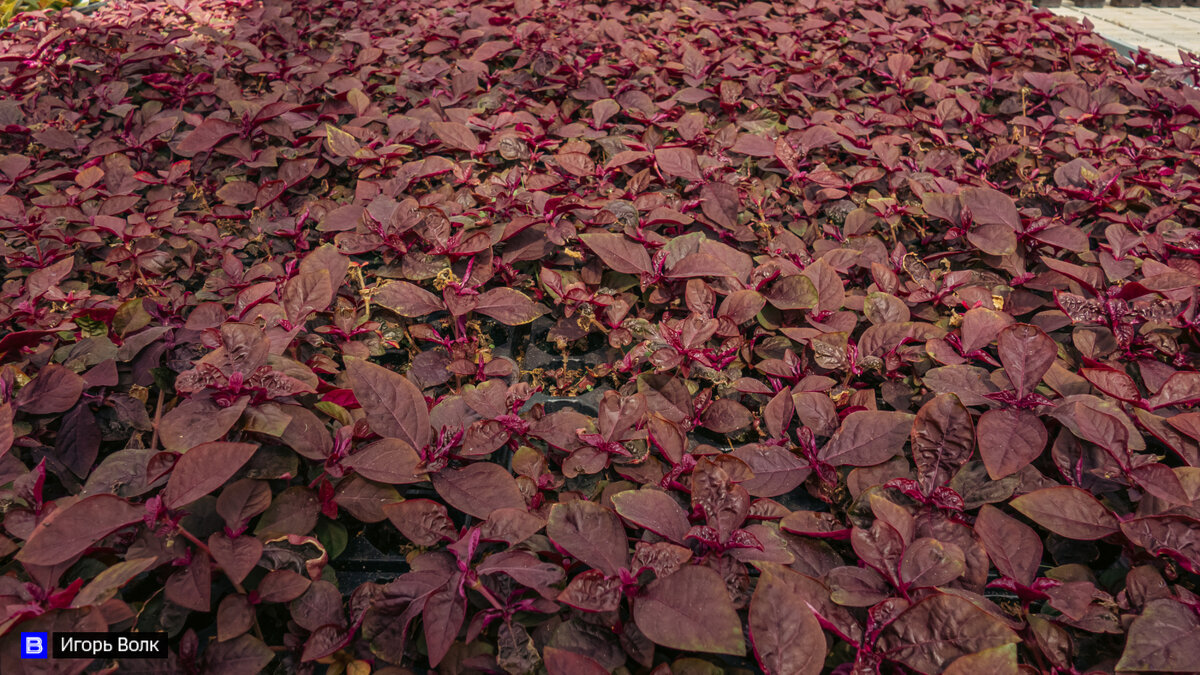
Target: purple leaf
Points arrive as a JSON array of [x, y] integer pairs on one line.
[[395, 407], [618, 252], [54, 390], [479, 489], [867, 437], [1068, 512], [591, 533], [1013, 546], [69, 530], [1009, 440], [786, 635], [654, 510], [203, 469], [1163, 638], [690, 610], [1027, 353]]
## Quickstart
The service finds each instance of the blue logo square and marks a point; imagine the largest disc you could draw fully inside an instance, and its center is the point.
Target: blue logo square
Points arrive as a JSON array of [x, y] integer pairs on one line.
[[35, 645]]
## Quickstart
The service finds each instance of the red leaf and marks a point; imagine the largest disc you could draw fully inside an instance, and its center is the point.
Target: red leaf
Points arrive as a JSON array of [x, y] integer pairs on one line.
[[70, 530], [618, 252], [443, 616], [407, 299], [455, 135], [1012, 545], [563, 662], [237, 556], [203, 469], [6, 427], [42, 280], [726, 416], [591, 533], [991, 207], [198, 420], [389, 460], [690, 610], [720, 202], [282, 586], [191, 586], [508, 306], [1027, 353], [680, 162], [928, 563], [241, 500], [654, 510], [1068, 512], [1009, 439], [867, 437], [307, 293], [235, 616], [478, 489], [786, 635], [395, 407], [206, 136], [1115, 383], [243, 655], [1180, 388], [54, 390], [776, 470]]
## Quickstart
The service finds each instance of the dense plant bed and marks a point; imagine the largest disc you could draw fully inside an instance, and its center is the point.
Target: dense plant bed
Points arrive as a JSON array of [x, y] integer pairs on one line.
[[823, 336]]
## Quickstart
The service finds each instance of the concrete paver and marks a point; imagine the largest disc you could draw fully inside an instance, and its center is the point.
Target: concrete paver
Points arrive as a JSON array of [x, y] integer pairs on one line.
[[1162, 31]]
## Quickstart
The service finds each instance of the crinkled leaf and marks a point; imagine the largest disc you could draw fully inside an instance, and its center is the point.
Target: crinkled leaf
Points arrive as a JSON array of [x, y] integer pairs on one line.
[[932, 633], [591, 533], [943, 439], [1164, 638], [423, 521], [1009, 439]]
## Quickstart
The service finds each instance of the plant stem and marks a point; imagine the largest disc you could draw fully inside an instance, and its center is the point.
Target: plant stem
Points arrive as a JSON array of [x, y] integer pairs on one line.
[[478, 586], [237, 586], [157, 419]]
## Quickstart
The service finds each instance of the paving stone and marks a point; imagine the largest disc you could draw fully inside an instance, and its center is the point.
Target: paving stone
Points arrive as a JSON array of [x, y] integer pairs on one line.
[[1161, 31]]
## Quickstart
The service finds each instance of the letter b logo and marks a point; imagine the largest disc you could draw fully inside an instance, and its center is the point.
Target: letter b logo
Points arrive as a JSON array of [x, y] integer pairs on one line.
[[34, 645]]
